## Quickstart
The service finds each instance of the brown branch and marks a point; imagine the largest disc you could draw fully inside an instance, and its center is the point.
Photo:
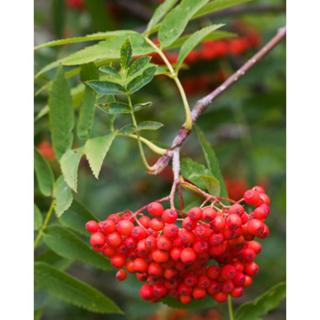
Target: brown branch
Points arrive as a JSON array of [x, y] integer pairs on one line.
[[203, 103]]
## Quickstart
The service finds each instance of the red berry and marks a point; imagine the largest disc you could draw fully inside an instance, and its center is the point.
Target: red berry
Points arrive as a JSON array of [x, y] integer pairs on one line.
[[228, 272], [114, 239], [264, 198], [125, 227], [164, 243], [169, 216], [204, 282], [97, 239], [220, 297], [261, 212], [175, 253], [190, 280], [108, 251], [155, 209], [255, 227], [233, 221], [195, 214], [185, 299], [160, 256], [247, 282], [239, 279], [199, 293], [121, 275], [237, 292], [140, 265], [218, 223], [118, 261], [213, 272], [171, 231], [107, 226], [200, 246], [145, 221], [208, 214], [188, 224], [188, 255], [216, 239], [214, 287], [227, 286], [138, 233], [114, 217], [146, 292], [156, 224], [155, 269], [236, 209], [251, 268], [252, 197], [255, 246], [92, 226]]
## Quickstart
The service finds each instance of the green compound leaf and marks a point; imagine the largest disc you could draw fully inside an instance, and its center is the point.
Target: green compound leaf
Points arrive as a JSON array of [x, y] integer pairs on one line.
[[142, 80], [37, 218], [67, 245], [212, 184], [125, 54], [63, 196], [91, 37], [96, 149], [262, 305], [44, 174], [160, 12], [69, 163], [193, 41], [118, 108], [61, 115], [71, 290], [176, 21], [76, 217], [136, 65], [106, 88], [211, 160], [149, 125]]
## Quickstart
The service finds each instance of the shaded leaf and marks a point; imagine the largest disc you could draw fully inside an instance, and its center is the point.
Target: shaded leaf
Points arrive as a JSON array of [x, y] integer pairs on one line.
[[149, 125], [54, 260], [86, 114], [89, 71], [63, 196], [160, 12], [193, 171], [118, 108], [66, 244], [69, 163], [218, 5], [175, 22], [212, 184], [125, 54], [262, 305], [71, 290], [193, 41], [76, 217], [127, 129], [110, 71], [142, 80], [142, 106], [136, 65], [96, 149], [44, 174], [61, 115], [211, 161], [106, 87], [37, 218]]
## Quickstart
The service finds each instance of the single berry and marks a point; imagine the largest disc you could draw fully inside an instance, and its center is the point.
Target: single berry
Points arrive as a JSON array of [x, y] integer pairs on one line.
[[92, 226], [188, 255], [155, 209], [121, 275], [169, 216]]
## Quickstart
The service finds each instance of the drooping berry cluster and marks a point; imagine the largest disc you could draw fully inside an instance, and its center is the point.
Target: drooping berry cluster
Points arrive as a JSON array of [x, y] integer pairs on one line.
[[208, 251]]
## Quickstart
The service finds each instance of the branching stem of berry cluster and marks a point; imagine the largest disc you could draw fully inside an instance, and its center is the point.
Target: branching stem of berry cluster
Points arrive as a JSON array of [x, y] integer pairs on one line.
[[203, 103], [44, 224]]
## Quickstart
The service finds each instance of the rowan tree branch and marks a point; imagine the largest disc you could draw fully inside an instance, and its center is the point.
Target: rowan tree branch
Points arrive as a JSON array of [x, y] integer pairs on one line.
[[203, 103]]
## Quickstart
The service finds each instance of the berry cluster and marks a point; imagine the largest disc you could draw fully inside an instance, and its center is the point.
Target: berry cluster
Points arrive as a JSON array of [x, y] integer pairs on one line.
[[208, 251], [75, 4], [214, 49]]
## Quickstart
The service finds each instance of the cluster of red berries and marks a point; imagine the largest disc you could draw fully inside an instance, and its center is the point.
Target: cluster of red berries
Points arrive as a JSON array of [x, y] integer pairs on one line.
[[208, 251], [213, 49], [75, 4]]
